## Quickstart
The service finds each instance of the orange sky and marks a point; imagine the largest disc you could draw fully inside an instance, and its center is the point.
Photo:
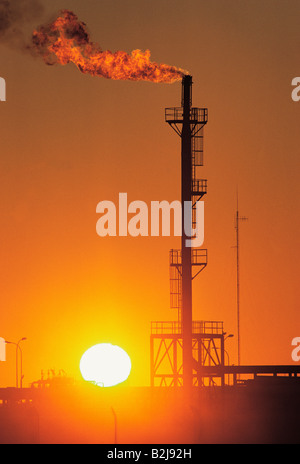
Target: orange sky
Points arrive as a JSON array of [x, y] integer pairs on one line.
[[69, 140]]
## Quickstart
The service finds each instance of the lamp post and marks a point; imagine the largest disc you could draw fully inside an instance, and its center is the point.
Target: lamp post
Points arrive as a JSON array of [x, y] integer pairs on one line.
[[17, 367], [227, 336]]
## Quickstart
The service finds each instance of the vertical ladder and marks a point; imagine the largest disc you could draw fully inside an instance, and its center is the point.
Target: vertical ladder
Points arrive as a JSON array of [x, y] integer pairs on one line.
[[176, 282]]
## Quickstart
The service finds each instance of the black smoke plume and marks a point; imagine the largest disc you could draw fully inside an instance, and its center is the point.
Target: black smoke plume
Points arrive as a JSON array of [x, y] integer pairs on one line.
[[15, 17]]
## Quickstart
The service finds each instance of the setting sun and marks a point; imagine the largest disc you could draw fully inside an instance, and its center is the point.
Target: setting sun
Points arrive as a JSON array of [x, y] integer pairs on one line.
[[105, 365]]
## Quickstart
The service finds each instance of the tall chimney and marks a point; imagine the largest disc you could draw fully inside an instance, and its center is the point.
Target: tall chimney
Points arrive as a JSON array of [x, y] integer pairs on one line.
[[188, 123], [186, 196]]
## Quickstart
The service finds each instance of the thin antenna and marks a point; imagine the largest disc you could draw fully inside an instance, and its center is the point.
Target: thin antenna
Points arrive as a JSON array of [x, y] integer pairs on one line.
[[238, 218]]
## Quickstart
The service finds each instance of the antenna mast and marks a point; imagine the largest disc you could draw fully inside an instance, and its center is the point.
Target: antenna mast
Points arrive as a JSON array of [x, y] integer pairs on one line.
[[238, 218]]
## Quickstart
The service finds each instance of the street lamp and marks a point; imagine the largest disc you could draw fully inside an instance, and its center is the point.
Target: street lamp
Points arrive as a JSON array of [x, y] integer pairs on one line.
[[225, 338], [17, 369]]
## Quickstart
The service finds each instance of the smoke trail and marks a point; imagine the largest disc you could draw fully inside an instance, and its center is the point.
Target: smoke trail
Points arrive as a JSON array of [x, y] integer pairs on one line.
[[66, 40], [15, 15]]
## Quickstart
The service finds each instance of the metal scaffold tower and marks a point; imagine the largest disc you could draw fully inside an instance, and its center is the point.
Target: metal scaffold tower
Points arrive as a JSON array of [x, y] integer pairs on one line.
[[187, 353], [193, 344]]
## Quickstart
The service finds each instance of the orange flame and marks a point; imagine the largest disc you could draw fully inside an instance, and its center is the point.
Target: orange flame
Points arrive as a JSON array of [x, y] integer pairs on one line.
[[66, 40]]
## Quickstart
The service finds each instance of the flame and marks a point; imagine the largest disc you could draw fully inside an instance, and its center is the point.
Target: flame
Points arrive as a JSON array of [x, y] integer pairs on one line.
[[66, 40]]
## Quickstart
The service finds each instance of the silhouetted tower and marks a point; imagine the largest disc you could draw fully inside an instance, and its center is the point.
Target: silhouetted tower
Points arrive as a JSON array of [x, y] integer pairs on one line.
[[238, 218], [188, 122], [191, 353], [181, 352]]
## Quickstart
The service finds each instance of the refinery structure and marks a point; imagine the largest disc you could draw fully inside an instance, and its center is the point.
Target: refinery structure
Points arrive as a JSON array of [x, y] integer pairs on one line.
[[185, 352], [194, 394], [179, 348]]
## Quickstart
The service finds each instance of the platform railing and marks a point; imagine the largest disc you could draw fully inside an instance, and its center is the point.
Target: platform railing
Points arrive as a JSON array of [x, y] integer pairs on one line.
[[175, 327]]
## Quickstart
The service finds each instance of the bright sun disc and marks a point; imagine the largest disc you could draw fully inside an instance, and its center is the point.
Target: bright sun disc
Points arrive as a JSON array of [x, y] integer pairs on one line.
[[106, 365]]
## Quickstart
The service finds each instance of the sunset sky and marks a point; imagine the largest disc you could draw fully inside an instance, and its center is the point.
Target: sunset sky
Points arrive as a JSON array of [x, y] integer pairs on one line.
[[69, 141]]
